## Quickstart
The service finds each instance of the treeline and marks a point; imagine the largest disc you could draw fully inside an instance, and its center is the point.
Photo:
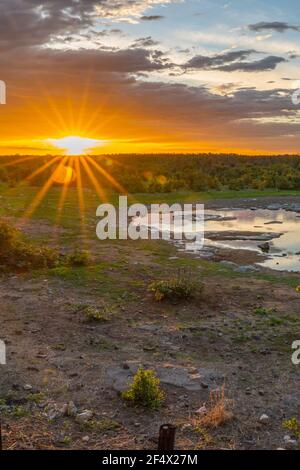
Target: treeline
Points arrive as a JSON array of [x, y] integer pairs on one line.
[[168, 173]]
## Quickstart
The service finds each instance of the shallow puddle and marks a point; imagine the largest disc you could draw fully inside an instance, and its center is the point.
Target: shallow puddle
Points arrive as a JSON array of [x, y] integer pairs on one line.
[[281, 226], [273, 233]]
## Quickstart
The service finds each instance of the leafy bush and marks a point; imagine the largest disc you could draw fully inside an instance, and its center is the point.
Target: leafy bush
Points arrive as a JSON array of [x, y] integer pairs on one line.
[[16, 253], [93, 314], [79, 258], [8, 235], [145, 390], [176, 288], [294, 426]]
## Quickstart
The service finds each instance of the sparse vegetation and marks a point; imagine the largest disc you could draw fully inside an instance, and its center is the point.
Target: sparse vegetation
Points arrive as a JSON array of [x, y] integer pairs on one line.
[[145, 390], [262, 311], [218, 412], [35, 397], [102, 425], [79, 258], [294, 426], [94, 314], [180, 287], [15, 253]]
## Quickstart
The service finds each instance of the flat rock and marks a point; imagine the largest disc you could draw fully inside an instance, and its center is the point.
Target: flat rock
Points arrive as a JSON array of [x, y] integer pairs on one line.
[[244, 236], [247, 269], [169, 375]]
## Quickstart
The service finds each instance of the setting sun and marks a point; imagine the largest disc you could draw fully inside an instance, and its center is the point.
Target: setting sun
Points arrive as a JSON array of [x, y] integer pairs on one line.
[[75, 145]]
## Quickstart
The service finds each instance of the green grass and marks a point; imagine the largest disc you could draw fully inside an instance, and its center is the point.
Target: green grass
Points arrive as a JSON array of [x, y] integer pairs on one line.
[[15, 201]]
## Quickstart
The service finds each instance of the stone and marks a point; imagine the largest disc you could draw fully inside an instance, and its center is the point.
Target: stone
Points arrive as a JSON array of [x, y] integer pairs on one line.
[[246, 269], [55, 411], [290, 443], [202, 410], [228, 264], [168, 374], [71, 409], [85, 439], [264, 419], [27, 387], [265, 247], [83, 417]]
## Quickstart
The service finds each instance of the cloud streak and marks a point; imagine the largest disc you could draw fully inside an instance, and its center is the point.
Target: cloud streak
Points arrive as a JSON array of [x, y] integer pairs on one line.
[[276, 26], [234, 61]]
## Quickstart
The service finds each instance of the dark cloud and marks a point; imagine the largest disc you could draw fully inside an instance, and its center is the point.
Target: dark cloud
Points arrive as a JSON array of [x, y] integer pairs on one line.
[[234, 61], [218, 60], [175, 110], [33, 22], [277, 26], [119, 61], [145, 42], [151, 17], [262, 65], [107, 32]]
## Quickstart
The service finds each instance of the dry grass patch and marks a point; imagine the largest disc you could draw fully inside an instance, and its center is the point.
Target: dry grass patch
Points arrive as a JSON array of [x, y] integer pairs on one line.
[[217, 411]]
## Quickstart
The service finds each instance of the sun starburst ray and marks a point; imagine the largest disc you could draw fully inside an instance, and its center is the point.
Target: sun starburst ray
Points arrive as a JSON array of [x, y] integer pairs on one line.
[[101, 193], [81, 201], [43, 191], [109, 177], [15, 162], [63, 195], [42, 168]]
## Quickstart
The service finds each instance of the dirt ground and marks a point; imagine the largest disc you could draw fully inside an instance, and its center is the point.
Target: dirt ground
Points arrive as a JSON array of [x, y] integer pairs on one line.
[[236, 333]]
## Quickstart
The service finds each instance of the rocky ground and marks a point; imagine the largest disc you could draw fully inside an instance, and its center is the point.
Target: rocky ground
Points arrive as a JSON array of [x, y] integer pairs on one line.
[[61, 386]]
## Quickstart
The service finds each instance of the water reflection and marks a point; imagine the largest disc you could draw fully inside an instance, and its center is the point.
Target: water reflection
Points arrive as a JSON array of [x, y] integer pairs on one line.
[[284, 253], [248, 229]]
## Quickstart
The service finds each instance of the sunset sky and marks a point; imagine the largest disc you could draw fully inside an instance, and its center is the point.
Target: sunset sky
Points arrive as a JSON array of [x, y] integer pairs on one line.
[[150, 75]]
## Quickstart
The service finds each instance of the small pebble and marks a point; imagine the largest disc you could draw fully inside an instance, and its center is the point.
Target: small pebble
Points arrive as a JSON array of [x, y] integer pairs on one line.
[[27, 387], [264, 419]]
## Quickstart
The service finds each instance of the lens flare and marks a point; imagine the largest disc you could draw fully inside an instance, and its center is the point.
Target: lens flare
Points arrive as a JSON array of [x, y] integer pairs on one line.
[[64, 175]]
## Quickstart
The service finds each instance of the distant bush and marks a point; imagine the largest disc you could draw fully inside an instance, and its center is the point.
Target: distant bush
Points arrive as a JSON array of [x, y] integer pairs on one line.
[[145, 390], [180, 287], [16, 253], [94, 314], [294, 426], [79, 258]]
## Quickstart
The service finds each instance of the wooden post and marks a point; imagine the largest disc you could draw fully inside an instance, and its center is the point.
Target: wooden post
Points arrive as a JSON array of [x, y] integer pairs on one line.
[[166, 439]]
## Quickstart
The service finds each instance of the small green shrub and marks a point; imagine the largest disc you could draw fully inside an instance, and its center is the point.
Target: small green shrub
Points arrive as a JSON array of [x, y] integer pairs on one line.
[[35, 397], [79, 258], [18, 411], [8, 235], [16, 253], [294, 426], [172, 289], [145, 390], [264, 312], [93, 314]]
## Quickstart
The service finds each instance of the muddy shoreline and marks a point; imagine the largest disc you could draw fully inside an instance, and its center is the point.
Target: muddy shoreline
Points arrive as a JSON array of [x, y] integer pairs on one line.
[[243, 256]]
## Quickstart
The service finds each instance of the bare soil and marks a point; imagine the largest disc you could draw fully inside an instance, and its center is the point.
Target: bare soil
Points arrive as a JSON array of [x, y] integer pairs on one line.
[[240, 327]]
